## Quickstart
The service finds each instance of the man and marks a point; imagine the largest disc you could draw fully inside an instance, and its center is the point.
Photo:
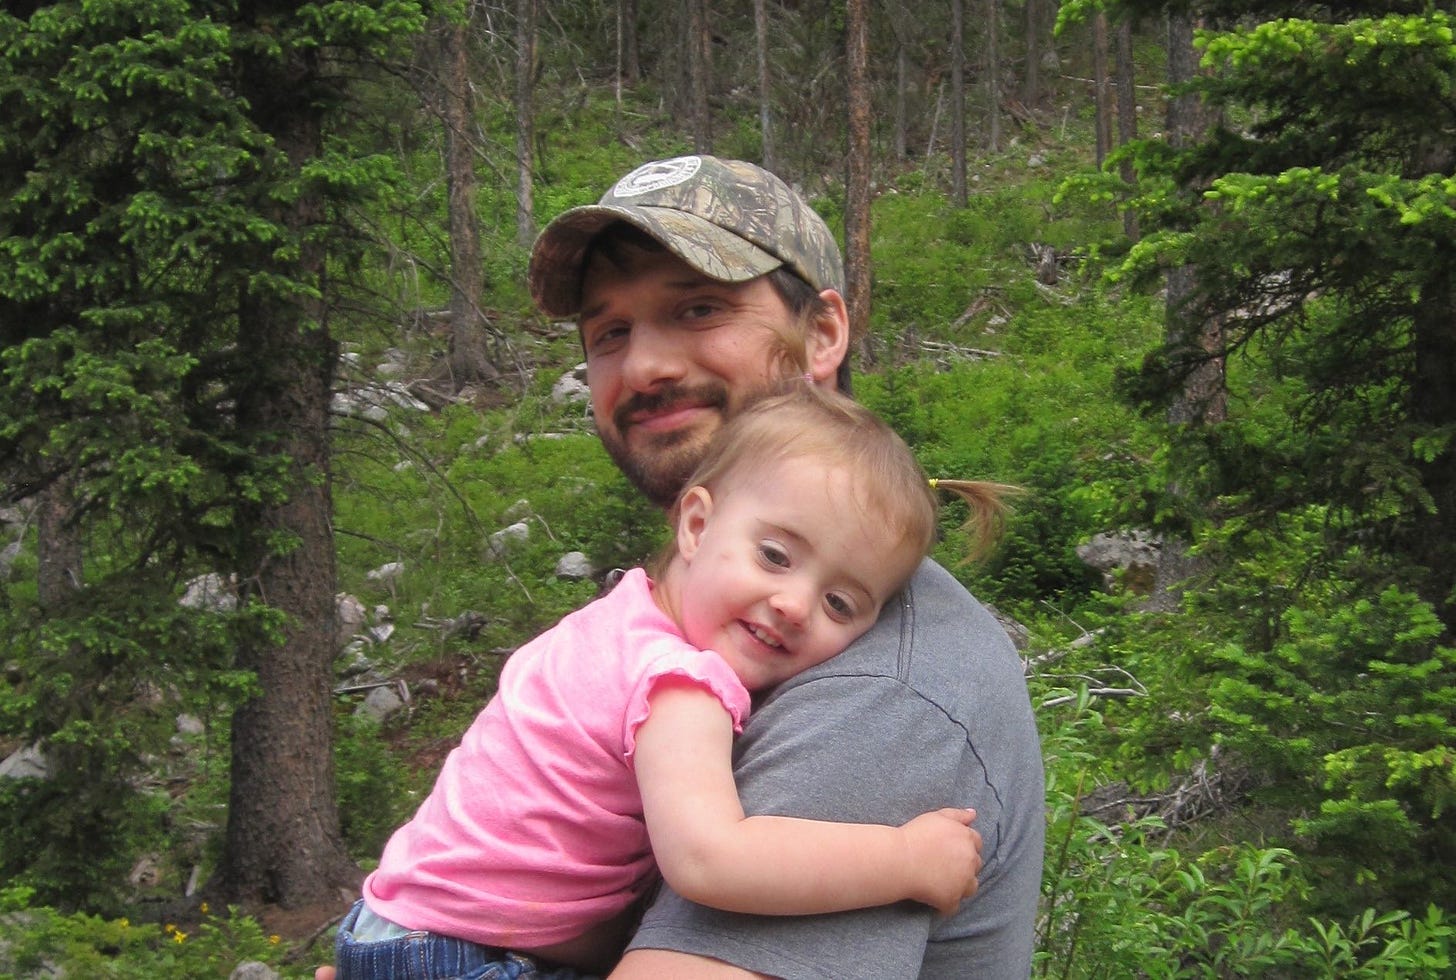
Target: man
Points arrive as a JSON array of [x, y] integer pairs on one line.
[[691, 280], [680, 324]]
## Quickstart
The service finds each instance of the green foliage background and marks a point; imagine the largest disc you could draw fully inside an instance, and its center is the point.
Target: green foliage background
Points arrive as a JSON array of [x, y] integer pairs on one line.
[[1306, 664]]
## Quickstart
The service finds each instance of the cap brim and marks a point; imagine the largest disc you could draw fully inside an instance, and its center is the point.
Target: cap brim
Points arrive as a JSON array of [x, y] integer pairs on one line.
[[560, 250]]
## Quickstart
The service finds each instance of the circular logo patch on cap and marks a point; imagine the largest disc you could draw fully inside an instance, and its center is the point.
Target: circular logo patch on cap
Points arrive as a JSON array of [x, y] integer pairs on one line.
[[656, 175]]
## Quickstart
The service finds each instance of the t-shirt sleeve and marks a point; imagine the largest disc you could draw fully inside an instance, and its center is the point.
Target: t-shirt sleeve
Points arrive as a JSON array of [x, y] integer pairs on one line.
[[699, 667], [841, 748]]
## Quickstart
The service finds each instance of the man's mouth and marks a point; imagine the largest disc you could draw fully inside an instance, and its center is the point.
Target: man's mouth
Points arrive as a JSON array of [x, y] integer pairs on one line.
[[669, 409], [665, 419]]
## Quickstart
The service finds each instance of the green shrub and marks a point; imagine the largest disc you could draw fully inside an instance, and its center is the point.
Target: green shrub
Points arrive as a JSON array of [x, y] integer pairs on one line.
[[1116, 903], [38, 941]]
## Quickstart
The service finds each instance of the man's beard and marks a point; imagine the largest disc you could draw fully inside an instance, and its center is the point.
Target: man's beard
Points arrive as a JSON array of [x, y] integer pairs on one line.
[[661, 469]]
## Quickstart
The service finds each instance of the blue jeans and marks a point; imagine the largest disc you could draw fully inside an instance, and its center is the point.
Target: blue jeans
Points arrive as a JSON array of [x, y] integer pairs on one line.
[[391, 952]]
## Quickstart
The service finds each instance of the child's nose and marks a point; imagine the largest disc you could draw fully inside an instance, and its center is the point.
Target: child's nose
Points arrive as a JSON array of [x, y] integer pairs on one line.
[[790, 603]]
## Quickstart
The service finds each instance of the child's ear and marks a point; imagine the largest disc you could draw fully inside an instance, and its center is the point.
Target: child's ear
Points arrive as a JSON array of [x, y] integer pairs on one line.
[[693, 511]]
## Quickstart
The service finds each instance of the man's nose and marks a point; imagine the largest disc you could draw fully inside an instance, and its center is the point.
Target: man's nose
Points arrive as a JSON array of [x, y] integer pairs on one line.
[[654, 357]]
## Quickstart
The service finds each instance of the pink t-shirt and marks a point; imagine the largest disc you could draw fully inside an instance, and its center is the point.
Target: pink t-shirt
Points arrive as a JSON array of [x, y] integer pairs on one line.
[[533, 831]]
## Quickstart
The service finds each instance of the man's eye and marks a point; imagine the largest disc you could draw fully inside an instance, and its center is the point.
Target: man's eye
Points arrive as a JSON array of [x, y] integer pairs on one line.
[[605, 339], [698, 311], [773, 555]]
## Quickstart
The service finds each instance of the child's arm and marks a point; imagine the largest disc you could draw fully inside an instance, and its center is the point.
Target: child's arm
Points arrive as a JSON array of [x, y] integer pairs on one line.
[[712, 854]]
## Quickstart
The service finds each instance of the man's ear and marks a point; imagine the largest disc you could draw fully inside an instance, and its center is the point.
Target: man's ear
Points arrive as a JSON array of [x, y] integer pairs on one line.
[[693, 511], [827, 343]]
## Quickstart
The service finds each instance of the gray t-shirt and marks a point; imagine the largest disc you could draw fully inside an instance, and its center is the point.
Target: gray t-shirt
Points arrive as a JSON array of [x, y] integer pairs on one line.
[[928, 709]]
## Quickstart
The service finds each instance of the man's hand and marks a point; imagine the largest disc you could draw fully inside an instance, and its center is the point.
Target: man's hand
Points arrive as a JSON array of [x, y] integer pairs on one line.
[[943, 853]]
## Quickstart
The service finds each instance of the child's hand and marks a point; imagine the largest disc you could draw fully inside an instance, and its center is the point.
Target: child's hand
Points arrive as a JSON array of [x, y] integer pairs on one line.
[[944, 854]]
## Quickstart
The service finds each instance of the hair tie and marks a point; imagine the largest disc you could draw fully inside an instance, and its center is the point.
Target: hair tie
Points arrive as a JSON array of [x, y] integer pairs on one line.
[[809, 376], [934, 483]]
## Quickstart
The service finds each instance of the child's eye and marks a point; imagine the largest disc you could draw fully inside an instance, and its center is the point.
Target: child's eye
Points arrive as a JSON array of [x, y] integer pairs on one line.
[[839, 606], [772, 555]]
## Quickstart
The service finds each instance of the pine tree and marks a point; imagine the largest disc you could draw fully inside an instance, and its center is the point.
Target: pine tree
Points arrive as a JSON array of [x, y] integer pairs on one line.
[[173, 205]]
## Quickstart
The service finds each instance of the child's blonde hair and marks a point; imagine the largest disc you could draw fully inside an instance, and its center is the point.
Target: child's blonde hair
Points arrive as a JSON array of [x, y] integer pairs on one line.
[[800, 420]]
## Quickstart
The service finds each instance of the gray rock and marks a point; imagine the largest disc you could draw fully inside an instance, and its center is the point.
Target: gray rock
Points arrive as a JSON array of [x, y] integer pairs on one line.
[[349, 613], [210, 592], [1127, 557], [381, 704], [509, 539], [387, 574], [518, 511], [574, 567], [26, 762], [571, 388], [8, 554]]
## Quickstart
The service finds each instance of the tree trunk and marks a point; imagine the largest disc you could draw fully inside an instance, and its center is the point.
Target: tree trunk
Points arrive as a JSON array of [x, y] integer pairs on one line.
[[1194, 337], [765, 93], [1031, 80], [957, 104], [700, 73], [993, 75], [902, 93], [1433, 407], [935, 121], [1192, 332], [283, 842], [627, 41], [57, 543], [1126, 118], [1185, 118], [1102, 94], [525, 122], [468, 360], [857, 191]]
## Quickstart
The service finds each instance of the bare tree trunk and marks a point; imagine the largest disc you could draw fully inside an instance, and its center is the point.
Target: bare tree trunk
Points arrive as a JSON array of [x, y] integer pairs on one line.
[[1126, 118], [1190, 331], [902, 110], [468, 360], [1186, 119], [1101, 87], [857, 191], [957, 103], [700, 73], [58, 543], [1031, 80], [525, 121], [993, 74], [765, 92], [1433, 403], [631, 68], [283, 842], [935, 121]]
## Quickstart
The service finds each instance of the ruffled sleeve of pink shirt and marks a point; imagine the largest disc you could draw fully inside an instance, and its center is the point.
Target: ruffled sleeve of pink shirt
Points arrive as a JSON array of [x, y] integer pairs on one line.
[[674, 659]]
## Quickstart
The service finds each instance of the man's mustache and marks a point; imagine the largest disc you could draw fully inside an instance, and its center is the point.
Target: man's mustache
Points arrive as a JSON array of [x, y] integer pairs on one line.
[[704, 396]]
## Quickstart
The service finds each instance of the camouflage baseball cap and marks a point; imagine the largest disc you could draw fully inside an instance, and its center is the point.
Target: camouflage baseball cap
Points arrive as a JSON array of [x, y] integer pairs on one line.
[[730, 220]]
